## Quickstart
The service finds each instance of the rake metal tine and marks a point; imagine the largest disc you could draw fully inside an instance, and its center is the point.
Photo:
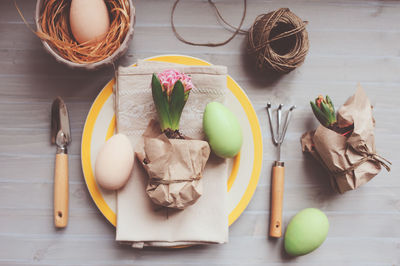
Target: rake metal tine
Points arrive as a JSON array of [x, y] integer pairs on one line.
[[287, 120], [278, 129], [270, 123]]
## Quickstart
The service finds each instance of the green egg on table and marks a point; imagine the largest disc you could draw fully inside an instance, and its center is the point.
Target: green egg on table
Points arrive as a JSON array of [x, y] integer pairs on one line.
[[306, 231], [222, 129]]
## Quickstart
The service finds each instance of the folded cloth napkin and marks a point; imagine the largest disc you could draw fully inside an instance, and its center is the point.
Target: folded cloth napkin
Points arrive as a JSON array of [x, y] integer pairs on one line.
[[139, 221]]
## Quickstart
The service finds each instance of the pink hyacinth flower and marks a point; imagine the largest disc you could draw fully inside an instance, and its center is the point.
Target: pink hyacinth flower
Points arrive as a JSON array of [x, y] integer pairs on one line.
[[169, 77]]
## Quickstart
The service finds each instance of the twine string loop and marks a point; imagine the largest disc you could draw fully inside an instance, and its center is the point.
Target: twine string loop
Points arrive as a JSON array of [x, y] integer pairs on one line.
[[269, 32], [367, 156], [210, 44]]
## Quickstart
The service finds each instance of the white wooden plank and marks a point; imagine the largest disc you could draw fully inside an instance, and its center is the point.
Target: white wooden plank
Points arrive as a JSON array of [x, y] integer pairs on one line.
[[41, 169], [341, 225], [99, 250], [364, 200], [360, 14], [331, 42], [90, 223]]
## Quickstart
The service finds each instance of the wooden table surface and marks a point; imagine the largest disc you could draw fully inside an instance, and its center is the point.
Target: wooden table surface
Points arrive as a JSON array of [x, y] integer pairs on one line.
[[350, 41]]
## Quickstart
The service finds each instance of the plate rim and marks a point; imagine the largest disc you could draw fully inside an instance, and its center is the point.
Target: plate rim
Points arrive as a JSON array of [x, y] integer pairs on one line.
[[239, 94]]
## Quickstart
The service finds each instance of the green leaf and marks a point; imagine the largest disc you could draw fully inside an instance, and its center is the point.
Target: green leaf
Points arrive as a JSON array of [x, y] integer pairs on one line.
[[329, 101], [328, 113], [319, 114], [161, 102], [333, 111], [177, 103], [187, 95]]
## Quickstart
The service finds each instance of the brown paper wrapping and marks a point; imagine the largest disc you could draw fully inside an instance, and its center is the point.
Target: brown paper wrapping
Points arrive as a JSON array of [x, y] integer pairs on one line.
[[174, 167], [351, 162]]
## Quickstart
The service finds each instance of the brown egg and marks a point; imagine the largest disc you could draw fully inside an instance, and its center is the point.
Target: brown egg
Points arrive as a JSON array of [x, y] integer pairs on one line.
[[114, 162], [89, 20]]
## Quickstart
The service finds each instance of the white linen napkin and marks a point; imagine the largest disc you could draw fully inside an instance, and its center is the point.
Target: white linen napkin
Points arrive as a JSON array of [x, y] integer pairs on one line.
[[139, 221]]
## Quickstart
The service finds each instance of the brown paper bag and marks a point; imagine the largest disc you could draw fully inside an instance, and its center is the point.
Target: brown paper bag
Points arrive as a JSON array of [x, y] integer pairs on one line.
[[353, 161], [174, 167]]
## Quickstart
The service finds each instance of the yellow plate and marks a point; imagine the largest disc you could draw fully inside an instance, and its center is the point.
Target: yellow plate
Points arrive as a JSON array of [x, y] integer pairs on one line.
[[245, 172]]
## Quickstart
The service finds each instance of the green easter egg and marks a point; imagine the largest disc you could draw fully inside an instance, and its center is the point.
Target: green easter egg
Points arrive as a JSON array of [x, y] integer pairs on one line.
[[222, 129], [306, 232]]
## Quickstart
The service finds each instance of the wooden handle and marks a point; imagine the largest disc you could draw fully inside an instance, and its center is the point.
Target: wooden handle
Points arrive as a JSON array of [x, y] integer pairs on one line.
[[278, 177], [61, 191]]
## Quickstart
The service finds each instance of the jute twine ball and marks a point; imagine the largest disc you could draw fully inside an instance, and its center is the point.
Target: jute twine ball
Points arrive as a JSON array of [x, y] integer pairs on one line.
[[278, 40]]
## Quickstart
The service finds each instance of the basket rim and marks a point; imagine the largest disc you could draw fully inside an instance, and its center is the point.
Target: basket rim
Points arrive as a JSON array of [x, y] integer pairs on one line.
[[109, 60]]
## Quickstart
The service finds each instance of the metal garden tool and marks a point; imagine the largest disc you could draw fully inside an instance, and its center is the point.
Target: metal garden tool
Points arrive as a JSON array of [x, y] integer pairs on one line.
[[61, 136], [278, 170]]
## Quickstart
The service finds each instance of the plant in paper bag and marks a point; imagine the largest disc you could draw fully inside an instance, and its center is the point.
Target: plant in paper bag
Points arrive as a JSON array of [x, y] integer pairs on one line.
[[170, 91], [344, 143], [174, 164]]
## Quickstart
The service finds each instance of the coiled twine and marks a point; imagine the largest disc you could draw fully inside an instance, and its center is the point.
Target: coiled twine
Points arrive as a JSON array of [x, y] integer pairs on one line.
[[278, 40]]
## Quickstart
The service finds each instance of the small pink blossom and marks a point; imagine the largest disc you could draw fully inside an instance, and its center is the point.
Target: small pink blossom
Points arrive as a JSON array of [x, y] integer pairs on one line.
[[169, 77]]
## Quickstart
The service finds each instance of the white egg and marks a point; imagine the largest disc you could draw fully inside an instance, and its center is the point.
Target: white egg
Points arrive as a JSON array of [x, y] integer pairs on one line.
[[114, 162], [89, 20]]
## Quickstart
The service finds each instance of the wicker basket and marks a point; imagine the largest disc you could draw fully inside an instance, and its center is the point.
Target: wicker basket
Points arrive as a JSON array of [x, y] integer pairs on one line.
[[90, 66]]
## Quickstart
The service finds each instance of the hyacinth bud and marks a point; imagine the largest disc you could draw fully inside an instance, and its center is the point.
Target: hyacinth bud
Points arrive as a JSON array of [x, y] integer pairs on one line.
[[324, 110]]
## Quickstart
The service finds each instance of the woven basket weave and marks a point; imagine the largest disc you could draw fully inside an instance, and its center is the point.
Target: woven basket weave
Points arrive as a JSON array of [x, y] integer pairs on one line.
[[90, 66]]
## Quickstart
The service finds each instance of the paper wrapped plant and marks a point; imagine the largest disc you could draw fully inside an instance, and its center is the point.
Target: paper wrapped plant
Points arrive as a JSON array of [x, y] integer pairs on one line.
[[345, 143], [173, 162]]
